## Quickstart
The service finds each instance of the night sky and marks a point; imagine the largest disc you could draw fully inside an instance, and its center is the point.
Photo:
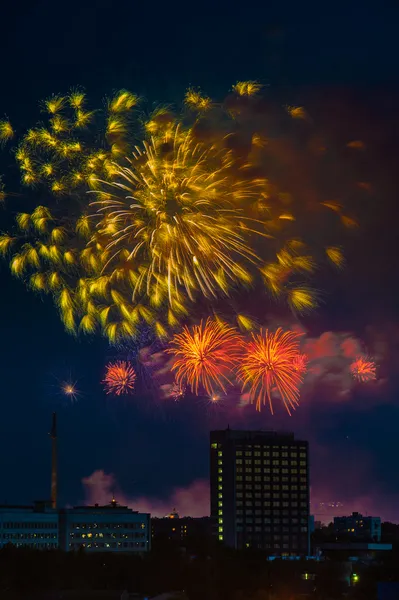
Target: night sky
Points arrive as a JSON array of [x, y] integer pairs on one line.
[[344, 57]]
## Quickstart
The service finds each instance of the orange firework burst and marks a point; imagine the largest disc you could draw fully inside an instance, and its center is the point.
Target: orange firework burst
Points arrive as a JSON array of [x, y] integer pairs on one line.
[[206, 355], [363, 369], [268, 365], [119, 378]]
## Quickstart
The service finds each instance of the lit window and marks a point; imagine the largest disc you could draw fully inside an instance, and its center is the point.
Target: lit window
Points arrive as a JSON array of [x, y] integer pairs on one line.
[[220, 478], [220, 453], [220, 512], [214, 446], [220, 495], [220, 538], [220, 462], [220, 470], [220, 529], [220, 503]]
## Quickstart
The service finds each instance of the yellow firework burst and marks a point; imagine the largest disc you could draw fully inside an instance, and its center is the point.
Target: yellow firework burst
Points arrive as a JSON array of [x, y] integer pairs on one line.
[[189, 214], [179, 214]]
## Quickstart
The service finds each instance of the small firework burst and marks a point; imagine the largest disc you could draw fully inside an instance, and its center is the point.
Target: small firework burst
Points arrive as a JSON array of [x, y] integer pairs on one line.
[[178, 391], [120, 378], [300, 363], [70, 390], [363, 369], [214, 398]]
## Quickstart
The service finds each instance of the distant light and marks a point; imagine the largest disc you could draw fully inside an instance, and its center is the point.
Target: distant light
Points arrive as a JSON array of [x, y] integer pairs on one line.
[[69, 389]]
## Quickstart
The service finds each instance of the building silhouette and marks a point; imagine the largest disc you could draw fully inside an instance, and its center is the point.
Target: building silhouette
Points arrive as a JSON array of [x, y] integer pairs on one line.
[[180, 529], [105, 528], [33, 526], [260, 491], [358, 527]]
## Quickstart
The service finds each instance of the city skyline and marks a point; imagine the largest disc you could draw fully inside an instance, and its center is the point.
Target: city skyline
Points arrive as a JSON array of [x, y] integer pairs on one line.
[[134, 444]]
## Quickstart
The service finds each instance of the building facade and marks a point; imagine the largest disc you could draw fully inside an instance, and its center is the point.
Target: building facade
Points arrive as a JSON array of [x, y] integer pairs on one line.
[[105, 528], [33, 526], [178, 529], [260, 491], [358, 527]]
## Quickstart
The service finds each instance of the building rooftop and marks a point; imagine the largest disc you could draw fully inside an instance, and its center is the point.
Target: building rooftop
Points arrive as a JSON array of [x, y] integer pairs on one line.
[[252, 434], [113, 506]]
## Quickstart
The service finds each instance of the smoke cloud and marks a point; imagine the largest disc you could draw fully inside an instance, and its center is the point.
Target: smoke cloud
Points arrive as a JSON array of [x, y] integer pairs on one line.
[[192, 500]]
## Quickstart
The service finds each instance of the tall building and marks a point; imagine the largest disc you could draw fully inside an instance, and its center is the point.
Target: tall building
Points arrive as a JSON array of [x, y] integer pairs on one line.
[[359, 527], [105, 528], [34, 526], [260, 491]]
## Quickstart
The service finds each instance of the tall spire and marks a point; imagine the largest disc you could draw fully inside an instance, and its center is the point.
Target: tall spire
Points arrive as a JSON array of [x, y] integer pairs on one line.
[[53, 435]]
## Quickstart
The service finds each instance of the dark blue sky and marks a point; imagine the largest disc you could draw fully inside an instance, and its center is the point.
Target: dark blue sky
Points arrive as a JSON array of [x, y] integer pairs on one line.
[[158, 51]]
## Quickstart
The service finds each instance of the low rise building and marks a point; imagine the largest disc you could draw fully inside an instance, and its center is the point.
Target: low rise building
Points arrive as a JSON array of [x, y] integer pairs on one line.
[[35, 526], [174, 527], [358, 527], [105, 528]]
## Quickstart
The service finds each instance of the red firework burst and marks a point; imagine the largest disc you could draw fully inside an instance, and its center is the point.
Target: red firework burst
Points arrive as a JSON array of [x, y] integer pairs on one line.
[[267, 366], [120, 378], [363, 369], [300, 363]]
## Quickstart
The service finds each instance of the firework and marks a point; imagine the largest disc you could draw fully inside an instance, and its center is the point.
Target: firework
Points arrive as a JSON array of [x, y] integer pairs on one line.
[[268, 365], [69, 389], [300, 363], [183, 215], [177, 392], [215, 398], [205, 356], [363, 369], [120, 378], [179, 214]]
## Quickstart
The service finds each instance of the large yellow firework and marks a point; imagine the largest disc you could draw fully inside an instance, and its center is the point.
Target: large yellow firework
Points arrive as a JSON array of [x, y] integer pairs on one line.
[[180, 216], [144, 216]]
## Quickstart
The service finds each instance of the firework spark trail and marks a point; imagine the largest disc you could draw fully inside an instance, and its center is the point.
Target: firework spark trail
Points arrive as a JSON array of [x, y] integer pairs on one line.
[[363, 369], [120, 378], [205, 356], [268, 364]]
